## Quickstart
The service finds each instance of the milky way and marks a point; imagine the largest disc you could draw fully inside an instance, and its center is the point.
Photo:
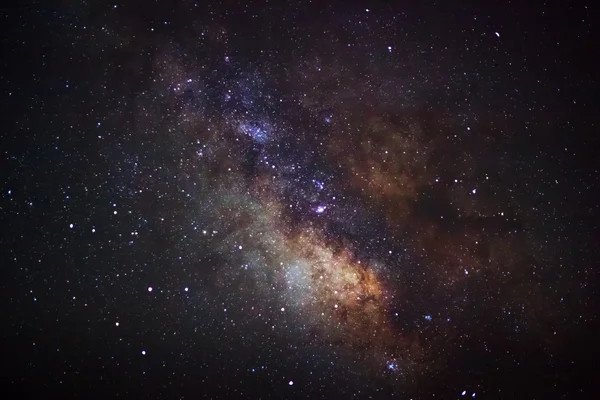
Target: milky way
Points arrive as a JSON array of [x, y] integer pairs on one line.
[[328, 201], [341, 203]]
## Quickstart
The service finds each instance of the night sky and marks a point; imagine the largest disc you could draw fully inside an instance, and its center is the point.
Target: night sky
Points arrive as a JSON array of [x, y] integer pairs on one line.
[[281, 200]]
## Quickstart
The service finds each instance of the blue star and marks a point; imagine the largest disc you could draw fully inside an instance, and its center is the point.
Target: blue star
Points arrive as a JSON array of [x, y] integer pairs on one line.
[[318, 185]]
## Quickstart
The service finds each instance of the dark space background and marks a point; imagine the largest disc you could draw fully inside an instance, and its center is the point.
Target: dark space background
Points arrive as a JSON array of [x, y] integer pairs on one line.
[[305, 200]]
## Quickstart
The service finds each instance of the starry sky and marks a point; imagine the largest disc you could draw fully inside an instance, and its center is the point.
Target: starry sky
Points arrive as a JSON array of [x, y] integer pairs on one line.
[[310, 200]]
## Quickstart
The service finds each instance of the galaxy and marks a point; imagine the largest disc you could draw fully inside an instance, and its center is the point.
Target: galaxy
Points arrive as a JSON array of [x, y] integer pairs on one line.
[[267, 200]]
